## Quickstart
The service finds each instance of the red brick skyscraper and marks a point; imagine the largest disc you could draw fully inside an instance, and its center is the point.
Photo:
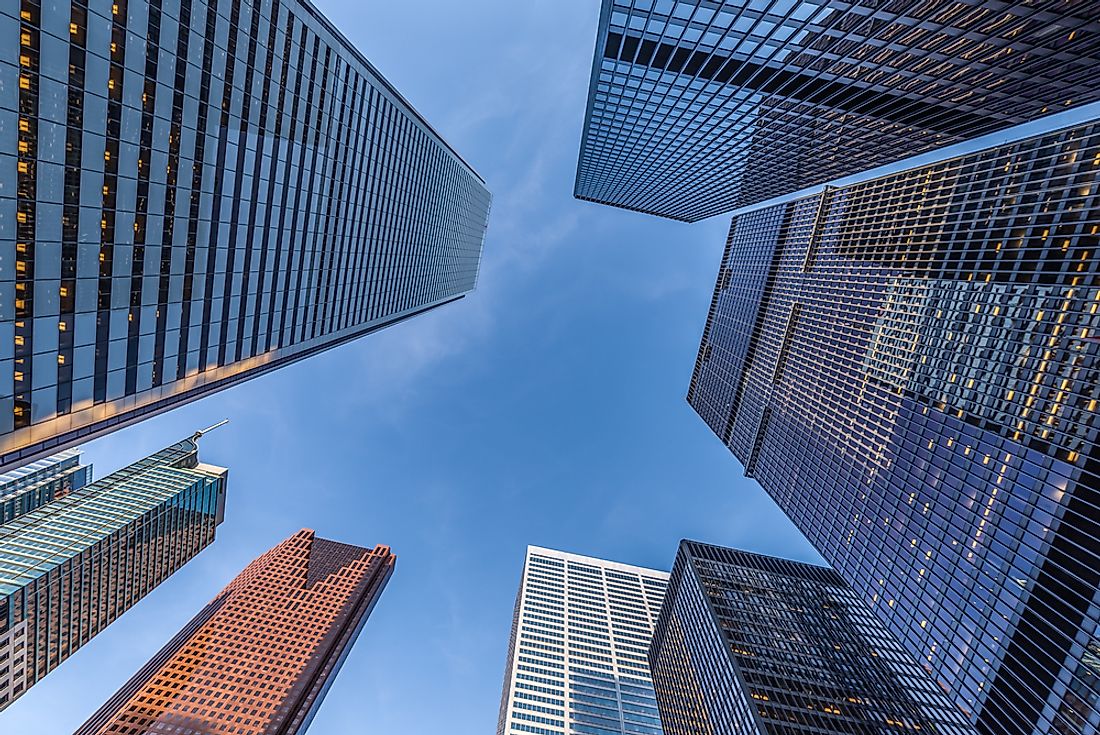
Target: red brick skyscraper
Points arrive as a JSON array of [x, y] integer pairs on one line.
[[259, 658]]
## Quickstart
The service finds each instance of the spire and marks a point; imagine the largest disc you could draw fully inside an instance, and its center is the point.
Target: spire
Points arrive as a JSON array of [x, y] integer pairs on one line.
[[201, 432]]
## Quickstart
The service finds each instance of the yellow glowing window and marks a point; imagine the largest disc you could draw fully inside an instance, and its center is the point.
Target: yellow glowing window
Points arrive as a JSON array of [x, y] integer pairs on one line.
[[74, 29], [24, 82]]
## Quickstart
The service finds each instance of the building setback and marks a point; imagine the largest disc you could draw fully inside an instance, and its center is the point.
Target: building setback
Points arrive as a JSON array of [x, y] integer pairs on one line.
[[259, 659], [909, 367], [699, 107], [753, 644], [35, 484], [577, 658], [72, 567], [193, 193]]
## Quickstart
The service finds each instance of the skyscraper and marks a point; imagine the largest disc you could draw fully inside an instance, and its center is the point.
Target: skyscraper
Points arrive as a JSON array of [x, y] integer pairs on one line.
[[69, 568], [909, 367], [261, 656], [33, 485], [754, 644], [577, 658], [194, 193], [699, 107]]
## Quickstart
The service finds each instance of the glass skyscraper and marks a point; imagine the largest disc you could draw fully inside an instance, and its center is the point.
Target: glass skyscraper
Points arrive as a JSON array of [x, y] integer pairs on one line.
[[70, 568], [910, 366], [577, 658], [35, 484], [754, 644], [698, 107], [195, 192], [259, 659]]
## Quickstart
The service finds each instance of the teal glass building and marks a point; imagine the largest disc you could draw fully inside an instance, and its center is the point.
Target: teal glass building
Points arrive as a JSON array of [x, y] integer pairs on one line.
[[33, 485], [70, 568]]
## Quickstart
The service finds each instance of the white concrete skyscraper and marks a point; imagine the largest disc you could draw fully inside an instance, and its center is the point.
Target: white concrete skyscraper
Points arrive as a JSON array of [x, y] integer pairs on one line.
[[577, 658]]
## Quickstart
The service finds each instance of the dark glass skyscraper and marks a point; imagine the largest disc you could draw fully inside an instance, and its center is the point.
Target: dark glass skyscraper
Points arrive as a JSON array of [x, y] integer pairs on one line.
[[697, 107], [195, 192], [71, 567], [753, 644], [910, 366], [259, 659], [35, 484]]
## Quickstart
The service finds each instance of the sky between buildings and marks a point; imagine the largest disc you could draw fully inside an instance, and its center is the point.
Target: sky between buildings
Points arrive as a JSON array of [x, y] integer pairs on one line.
[[545, 408]]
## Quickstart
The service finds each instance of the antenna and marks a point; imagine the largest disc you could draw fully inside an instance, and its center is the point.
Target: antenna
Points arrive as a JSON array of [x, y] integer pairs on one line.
[[198, 434]]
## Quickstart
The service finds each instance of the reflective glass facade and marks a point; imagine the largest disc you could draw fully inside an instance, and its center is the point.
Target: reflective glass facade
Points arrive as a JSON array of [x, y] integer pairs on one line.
[[35, 484], [577, 659], [260, 657], [753, 644], [909, 366], [699, 107], [70, 568], [194, 192]]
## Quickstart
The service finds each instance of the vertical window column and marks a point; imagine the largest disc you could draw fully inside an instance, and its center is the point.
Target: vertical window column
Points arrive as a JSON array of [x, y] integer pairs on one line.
[[26, 209], [110, 193], [70, 224]]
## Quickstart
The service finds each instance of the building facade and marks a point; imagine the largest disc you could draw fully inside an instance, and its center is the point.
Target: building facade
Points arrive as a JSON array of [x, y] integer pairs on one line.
[[71, 568], [577, 658], [754, 644], [33, 485], [259, 659], [909, 366], [195, 192], [698, 107]]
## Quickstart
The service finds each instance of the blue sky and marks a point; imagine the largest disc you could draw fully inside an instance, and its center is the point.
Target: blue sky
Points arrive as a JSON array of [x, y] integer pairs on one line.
[[546, 408]]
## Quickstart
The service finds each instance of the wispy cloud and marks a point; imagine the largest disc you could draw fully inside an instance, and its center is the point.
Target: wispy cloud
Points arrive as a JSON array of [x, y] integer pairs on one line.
[[528, 177]]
